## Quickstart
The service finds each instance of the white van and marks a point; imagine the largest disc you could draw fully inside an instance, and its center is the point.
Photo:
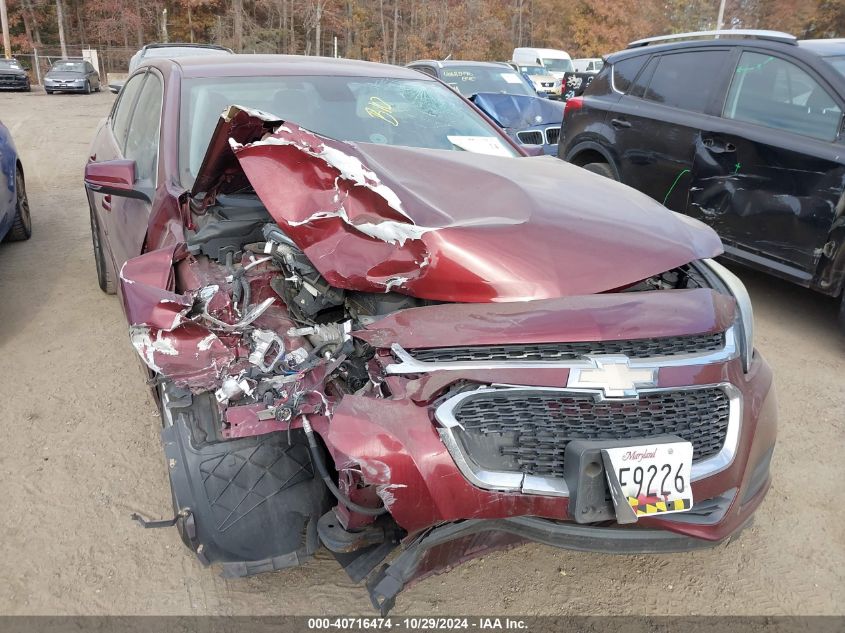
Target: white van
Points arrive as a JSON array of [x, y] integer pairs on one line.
[[554, 61], [590, 65]]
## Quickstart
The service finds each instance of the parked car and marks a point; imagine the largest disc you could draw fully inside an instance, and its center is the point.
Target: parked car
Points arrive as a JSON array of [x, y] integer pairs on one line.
[[505, 96], [559, 64], [369, 319], [744, 133], [540, 78], [588, 64], [13, 76], [72, 75], [15, 219], [171, 50]]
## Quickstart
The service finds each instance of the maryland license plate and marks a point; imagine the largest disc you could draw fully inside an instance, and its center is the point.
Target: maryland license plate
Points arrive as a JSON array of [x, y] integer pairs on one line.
[[649, 479]]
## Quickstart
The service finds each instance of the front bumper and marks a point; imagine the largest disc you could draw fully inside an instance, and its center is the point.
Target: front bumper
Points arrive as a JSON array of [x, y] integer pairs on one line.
[[451, 521], [64, 87], [460, 541], [398, 447], [21, 83]]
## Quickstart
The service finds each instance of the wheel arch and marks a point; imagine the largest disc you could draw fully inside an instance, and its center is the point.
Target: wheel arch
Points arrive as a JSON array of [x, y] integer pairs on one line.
[[587, 152]]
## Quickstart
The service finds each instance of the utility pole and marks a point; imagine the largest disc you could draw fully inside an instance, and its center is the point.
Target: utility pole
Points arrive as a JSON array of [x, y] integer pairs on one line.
[[720, 21], [4, 18], [164, 37], [60, 18]]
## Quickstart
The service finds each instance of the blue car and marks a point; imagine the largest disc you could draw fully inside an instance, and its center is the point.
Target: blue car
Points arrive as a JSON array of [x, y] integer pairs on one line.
[[505, 96], [15, 221]]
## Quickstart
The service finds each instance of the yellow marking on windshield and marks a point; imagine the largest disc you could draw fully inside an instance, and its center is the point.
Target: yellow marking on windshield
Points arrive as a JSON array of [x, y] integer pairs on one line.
[[378, 108]]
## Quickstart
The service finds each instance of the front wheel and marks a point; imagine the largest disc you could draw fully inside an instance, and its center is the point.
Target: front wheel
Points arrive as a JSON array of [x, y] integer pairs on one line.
[[602, 169], [22, 225], [88, 87]]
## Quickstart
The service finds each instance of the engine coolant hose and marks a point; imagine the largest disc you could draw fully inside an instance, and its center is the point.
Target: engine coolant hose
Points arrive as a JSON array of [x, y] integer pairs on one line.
[[317, 457]]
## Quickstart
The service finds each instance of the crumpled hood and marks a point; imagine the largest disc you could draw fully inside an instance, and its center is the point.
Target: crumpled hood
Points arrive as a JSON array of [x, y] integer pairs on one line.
[[519, 111], [450, 225]]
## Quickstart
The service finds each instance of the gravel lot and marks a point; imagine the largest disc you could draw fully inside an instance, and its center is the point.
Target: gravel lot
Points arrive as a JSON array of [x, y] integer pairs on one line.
[[83, 452]]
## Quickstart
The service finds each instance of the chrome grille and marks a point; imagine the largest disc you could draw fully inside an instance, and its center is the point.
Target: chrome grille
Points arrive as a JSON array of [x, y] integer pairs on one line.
[[526, 431], [633, 348], [552, 135], [530, 137]]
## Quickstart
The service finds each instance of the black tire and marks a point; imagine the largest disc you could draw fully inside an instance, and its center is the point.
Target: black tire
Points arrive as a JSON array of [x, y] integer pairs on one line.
[[254, 501], [88, 87], [22, 224], [842, 312], [602, 169], [104, 274], [49, 92]]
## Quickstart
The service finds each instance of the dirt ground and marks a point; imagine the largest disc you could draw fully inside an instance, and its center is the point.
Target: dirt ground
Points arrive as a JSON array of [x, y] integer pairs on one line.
[[82, 452]]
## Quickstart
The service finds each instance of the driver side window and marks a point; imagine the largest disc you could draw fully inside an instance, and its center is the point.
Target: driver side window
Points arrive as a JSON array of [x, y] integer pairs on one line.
[[123, 109], [143, 138]]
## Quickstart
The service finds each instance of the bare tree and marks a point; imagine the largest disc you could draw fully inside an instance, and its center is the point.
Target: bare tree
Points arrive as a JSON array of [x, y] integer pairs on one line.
[[60, 18]]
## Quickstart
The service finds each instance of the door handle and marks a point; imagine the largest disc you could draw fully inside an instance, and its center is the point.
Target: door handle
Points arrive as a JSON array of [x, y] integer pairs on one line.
[[717, 147], [107, 202], [620, 123]]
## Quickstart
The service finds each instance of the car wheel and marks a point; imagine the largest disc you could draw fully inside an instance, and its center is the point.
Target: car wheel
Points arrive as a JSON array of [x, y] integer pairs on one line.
[[22, 225], [88, 87], [49, 92], [602, 169], [104, 274]]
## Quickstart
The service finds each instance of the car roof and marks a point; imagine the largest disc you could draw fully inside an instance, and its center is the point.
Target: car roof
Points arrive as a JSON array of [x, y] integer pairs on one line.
[[824, 48], [244, 65], [440, 63], [801, 48]]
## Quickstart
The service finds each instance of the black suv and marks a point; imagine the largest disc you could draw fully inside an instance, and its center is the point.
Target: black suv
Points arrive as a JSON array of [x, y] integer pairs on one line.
[[743, 131]]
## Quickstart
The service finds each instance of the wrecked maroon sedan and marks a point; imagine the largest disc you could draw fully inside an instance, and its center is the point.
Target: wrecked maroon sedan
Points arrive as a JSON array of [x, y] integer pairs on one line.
[[372, 323]]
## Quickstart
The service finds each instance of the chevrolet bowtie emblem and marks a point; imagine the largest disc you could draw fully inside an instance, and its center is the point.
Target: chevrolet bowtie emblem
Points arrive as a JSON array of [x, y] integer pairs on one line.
[[613, 375]]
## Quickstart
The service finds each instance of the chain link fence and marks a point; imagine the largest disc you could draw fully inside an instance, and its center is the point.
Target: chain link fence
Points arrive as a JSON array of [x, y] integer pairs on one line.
[[113, 62]]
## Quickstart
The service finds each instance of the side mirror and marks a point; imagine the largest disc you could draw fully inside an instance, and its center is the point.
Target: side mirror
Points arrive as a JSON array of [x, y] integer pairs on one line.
[[115, 178]]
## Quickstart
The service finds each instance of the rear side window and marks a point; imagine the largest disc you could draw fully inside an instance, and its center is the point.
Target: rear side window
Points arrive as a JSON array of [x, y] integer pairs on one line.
[[625, 71], [776, 93], [687, 80]]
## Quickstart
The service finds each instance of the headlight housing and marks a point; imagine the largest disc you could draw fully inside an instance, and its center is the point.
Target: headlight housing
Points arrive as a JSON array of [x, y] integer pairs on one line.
[[745, 314]]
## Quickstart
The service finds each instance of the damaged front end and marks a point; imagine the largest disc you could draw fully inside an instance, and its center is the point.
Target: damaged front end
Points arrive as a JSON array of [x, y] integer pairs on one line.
[[345, 353]]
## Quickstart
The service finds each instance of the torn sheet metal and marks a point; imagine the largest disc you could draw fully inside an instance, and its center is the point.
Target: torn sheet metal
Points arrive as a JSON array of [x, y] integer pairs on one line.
[[160, 328], [376, 218]]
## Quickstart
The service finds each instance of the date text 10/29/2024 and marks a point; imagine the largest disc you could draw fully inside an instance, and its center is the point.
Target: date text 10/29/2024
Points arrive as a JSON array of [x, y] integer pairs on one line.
[[418, 624]]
